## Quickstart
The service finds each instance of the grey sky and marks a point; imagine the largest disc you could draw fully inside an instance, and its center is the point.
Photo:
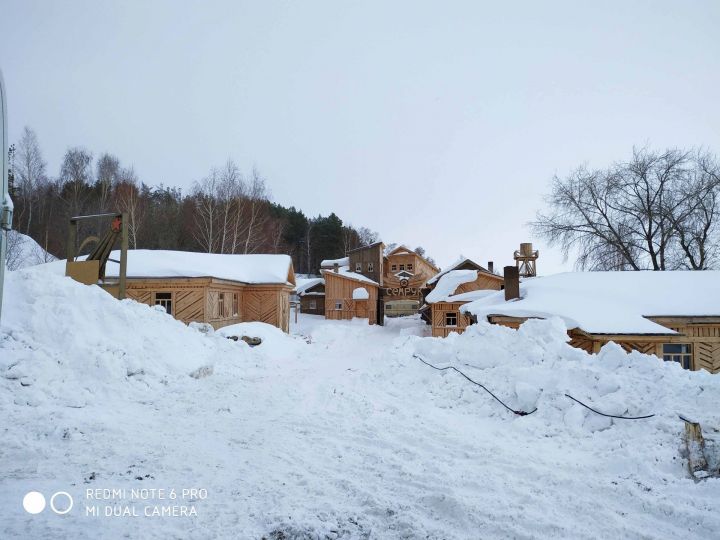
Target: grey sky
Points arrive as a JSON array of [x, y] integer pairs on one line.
[[434, 123]]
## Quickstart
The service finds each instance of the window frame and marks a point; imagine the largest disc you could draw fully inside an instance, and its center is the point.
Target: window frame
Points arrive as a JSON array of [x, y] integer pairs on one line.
[[683, 357], [370, 267], [338, 305], [453, 315], [312, 304], [168, 302], [358, 267]]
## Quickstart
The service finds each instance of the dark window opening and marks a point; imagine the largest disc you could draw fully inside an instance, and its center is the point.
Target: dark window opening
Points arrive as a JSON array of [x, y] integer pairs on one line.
[[164, 299]]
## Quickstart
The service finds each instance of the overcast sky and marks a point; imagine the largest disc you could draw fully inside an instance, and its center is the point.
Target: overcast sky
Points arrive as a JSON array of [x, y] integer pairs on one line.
[[434, 123]]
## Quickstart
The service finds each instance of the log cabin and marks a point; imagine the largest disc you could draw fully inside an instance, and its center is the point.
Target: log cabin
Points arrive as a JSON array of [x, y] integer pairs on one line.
[[219, 289], [674, 315], [311, 295], [451, 289]]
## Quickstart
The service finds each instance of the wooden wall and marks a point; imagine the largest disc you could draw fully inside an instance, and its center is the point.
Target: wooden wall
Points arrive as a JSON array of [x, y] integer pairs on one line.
[[313, 294], [339, 289], [199, 300], [439, 311], [368, 255]]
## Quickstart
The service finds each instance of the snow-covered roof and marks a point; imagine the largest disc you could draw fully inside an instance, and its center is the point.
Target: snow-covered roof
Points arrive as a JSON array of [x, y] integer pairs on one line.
[[304, 284], [449, 283], [157, 263], [329, 263], [459, 262], [360, 294], [610, 302], [346, 273]]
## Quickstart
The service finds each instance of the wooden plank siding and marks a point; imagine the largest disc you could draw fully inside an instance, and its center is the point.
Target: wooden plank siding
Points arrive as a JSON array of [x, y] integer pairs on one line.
[[440, 310], [338, 291], [216, 301]]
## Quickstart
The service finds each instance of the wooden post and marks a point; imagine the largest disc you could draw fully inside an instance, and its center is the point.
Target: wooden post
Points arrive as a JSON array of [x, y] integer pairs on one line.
[[123, 258], [70, 248], [512, 282], [695, 445]]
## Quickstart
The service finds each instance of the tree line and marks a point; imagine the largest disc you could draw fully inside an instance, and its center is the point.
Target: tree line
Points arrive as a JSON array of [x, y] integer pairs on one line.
[[227, 211], [659, 210]]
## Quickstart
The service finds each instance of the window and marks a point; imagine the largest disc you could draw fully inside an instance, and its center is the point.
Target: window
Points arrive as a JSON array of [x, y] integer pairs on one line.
[[312, 304], [409, 266], [370, 267], [221, 305], [402, 267], [164, 299], [236, 305], [678, 352], [338, 306], [393, 267], [450, 318], [358, 267]]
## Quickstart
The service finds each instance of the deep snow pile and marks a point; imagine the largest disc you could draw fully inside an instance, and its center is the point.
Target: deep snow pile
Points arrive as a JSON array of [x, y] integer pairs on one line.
[[339, 431], [23, 252]]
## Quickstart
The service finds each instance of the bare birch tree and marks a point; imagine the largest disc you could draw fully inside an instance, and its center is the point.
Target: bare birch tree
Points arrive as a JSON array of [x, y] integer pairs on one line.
[[657, 211], [29, 174]]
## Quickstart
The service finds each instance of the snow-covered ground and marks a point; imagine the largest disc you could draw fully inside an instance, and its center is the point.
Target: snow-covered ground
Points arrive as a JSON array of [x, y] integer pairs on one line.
[[336, 431]]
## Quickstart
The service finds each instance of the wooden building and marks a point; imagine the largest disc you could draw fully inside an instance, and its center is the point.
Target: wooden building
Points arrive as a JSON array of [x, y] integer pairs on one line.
[[463, 282], [395, 279], [344, 299], [210, 288], [311, 295], [674, 315], [405, 277]]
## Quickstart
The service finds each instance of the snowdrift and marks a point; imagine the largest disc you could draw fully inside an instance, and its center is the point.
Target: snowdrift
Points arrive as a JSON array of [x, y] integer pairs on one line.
[[340, 431], [69, 342]]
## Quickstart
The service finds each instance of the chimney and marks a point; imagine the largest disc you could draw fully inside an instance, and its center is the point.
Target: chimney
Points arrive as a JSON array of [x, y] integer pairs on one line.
[[491, 267], [336, 268], [512, 282]]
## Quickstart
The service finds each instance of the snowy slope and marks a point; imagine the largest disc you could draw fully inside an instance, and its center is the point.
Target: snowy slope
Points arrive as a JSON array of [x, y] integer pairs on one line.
[[339, 431]]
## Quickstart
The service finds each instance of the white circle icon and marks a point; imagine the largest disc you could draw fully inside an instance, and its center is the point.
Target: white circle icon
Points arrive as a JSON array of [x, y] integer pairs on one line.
[[34, 502], [55, 509]]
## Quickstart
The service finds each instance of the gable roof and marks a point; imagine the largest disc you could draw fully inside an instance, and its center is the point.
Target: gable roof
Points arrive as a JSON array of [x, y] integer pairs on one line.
[[463, 263], [306, 285], [366, 247], [347, 274], [448, 284], [610, 302], [158, 263]]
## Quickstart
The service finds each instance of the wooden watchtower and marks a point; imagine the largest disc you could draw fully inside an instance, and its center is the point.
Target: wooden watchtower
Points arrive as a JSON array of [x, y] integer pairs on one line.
[[525, 259]]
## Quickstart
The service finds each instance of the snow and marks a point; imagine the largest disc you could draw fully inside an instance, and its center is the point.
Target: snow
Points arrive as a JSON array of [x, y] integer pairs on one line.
[[304, 284], [353, 275], [338, 431], [460, 261], [449, 283], [610, 302], [24, 252], [360, 294], [329, 263], [148, 263]]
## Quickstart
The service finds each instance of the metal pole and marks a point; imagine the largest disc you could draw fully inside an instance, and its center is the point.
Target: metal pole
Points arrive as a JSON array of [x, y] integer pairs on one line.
[[6, 205]]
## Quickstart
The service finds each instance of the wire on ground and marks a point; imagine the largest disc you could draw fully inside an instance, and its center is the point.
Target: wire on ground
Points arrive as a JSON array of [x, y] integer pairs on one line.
[[609, 415], [501, 402]]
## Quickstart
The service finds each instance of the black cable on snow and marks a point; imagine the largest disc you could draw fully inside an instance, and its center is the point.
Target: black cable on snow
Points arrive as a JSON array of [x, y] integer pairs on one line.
[[519, 413], [609, 415]]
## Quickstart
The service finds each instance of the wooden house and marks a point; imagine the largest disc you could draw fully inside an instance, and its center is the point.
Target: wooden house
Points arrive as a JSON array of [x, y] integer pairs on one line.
[[463, 282], [311, 295], [674, 315], [404, 278], [210, 288], [350, 295]]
